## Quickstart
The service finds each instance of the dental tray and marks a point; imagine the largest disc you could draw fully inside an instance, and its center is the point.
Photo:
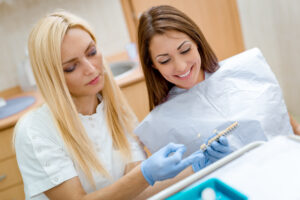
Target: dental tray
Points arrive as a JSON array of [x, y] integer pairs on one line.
[[222, 191]]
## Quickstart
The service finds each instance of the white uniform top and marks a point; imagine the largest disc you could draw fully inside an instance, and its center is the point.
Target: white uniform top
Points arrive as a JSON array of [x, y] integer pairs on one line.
[[45, 163]]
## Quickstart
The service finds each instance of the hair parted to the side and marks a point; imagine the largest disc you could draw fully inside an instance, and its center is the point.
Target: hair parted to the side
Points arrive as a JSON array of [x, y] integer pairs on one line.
[[44, 46], [159, 20]]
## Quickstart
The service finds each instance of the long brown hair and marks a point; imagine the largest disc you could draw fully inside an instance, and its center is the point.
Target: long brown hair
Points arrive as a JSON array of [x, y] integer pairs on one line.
[[159, 20]]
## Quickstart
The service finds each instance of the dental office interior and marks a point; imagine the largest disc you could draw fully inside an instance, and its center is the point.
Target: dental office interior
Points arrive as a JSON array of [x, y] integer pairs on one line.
[[231, 28]]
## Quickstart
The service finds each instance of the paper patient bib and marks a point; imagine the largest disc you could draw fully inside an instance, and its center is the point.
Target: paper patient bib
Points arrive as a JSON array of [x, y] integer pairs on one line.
[[244, 89]]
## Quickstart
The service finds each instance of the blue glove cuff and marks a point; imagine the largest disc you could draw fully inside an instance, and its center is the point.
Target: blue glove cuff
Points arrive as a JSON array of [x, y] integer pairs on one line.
[[148, 179]]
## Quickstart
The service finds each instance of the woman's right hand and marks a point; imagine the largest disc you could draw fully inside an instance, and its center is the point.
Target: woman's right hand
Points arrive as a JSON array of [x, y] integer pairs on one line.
[[217, 150], [167, 163]]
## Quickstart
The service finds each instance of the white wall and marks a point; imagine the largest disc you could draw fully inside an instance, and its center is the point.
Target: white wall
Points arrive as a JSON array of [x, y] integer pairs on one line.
[[17, 19], [274, 27]]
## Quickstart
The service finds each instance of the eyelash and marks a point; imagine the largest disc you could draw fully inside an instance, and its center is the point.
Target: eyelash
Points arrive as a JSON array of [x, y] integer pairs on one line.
[[164, 62], [183, 52], [73, 67], [186, 51], [93, 52]]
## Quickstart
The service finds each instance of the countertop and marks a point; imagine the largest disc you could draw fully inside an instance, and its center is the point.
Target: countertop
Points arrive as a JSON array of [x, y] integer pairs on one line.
[[134, 76], [12, 120]]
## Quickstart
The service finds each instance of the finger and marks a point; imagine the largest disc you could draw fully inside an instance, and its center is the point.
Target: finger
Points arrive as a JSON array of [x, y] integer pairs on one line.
[[197, 165], [197, 160], [194, 156], [177, 156], [170, 148], [223, 140], [200, 163], [217, 146], [215, 154]]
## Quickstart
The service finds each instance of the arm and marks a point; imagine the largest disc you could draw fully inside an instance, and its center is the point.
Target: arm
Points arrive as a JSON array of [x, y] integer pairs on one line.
[[164, 164], [131, 166], [295, 125], [127, 187]]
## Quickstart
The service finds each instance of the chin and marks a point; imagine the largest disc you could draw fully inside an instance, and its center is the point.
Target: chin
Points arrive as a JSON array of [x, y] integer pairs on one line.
[[98, 89]]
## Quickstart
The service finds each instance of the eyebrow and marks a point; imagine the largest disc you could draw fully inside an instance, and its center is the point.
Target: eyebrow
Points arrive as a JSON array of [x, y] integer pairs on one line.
[[73, 59], [181, 44], [177, 49]]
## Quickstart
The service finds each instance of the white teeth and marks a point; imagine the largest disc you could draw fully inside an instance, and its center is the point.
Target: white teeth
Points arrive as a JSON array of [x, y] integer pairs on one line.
[[184, 75]]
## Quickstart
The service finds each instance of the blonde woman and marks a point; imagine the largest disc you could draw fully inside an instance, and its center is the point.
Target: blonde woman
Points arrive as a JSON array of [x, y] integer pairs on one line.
[[79, 144]]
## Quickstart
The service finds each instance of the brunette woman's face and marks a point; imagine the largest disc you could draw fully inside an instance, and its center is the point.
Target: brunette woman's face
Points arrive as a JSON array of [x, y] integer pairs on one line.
[[175, 55], [82, 63]]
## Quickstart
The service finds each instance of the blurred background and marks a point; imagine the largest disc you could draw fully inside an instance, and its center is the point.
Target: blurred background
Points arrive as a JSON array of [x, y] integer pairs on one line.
[[231, 26]]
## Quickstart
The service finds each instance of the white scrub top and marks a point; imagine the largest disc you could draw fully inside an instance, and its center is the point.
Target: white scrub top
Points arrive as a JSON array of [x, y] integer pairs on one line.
[[45, 163], [243, 89]]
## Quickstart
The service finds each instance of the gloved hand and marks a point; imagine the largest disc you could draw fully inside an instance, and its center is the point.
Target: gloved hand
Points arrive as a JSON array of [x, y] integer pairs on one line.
[[200, 160], [217, 150], [163, 165]]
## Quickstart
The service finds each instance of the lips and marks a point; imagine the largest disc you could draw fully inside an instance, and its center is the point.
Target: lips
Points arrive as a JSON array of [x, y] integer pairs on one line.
[[94, 81], [185, 75]]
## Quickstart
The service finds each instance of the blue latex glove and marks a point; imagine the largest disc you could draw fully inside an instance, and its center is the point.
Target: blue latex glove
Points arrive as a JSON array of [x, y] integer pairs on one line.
[[167, 163], [217, 149], [200, 161]]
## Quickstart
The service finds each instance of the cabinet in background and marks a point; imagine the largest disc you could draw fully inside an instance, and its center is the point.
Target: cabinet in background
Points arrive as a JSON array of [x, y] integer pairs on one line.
[[11, 185], [218, 20], [137, 98]]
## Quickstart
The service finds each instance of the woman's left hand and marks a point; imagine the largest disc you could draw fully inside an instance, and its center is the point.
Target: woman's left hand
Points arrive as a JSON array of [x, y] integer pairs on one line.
[[297, 130], [295, 125], [218, 149]]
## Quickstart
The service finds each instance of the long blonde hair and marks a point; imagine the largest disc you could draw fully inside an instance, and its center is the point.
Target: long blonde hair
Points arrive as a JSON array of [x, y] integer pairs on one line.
[[45, 56]]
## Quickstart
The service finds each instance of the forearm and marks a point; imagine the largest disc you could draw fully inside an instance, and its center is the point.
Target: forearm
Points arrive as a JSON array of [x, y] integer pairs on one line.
[[131, 166], [127, 187]]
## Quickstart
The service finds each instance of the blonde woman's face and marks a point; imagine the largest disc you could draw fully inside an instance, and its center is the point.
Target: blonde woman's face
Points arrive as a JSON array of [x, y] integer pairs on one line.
[[175, 55], [82, 63]]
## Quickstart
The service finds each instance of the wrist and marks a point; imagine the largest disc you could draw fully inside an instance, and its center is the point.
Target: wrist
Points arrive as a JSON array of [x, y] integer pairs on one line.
[[144, 171]]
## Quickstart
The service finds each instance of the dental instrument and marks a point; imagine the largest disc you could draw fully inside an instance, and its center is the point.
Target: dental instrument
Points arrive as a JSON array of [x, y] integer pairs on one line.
[[225, 132]]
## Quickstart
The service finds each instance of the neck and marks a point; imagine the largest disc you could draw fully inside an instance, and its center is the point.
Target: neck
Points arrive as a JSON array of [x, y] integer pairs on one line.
[[86, 105]]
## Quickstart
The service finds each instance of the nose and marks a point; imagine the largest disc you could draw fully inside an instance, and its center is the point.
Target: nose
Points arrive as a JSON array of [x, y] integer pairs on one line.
[[180, 65], [89, 68]]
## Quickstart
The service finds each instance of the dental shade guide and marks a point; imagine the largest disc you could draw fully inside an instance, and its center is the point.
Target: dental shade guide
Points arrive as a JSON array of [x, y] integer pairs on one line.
[[225, 132]]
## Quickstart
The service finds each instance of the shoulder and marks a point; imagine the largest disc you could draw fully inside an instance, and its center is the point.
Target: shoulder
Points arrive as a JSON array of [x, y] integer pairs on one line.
[[36, 123], [43, 160]]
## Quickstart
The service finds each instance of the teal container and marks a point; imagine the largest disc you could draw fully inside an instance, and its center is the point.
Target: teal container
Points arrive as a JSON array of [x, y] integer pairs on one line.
[[222, 191]]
